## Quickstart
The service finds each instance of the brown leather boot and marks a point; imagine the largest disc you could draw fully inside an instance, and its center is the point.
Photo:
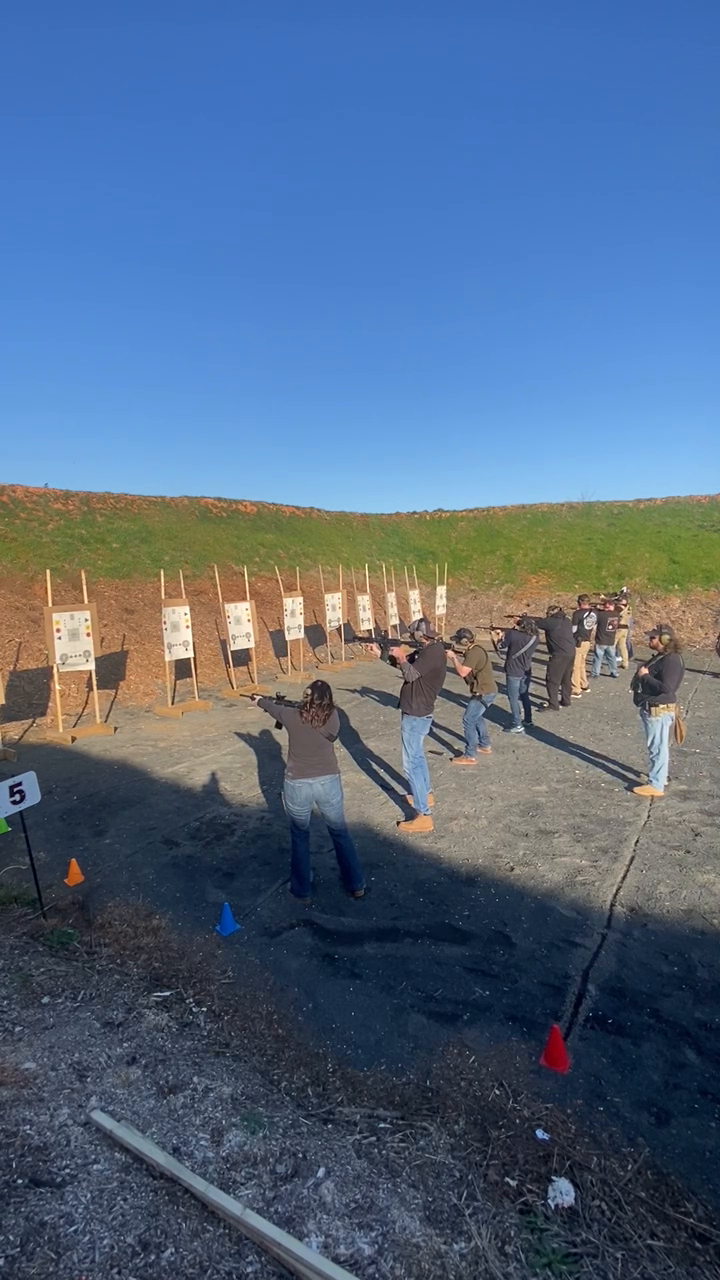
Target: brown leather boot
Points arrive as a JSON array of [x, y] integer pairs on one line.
[[431, 799], [648, 791], [422, 822]]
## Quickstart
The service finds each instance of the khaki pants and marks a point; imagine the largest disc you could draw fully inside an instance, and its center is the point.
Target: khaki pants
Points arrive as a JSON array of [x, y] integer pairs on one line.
[[621, 648], [579, 675]]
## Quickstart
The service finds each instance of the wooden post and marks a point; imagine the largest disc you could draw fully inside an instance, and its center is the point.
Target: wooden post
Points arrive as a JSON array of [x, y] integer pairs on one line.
[[231, 668], [342, 623], [327, 629], [56, 678], [253, 652], [93, 675]]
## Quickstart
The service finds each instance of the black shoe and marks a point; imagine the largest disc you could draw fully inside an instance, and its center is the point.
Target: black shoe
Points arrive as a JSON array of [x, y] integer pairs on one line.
[[548, 708]]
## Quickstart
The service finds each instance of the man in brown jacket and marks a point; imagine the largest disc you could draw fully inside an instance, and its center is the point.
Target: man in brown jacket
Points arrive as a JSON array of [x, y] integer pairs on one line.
[[475, 667]]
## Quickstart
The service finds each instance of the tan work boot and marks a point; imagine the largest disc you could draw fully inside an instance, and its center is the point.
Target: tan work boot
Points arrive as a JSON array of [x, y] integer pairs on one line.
[[422, 822], [649, 792], [463, 760], [431, 799]]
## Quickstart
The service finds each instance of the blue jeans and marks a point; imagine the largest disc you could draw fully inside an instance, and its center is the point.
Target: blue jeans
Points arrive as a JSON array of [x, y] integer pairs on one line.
[[413, 732], [300, 796], [518, 692], [657, 736], [476, 734], [604, 651]]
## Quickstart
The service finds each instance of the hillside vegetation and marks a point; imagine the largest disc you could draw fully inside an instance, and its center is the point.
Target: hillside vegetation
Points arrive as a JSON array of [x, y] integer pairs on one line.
[[660, 545]]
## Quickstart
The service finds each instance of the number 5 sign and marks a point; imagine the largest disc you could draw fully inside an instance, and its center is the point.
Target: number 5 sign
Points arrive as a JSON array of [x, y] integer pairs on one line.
[[18, 793]]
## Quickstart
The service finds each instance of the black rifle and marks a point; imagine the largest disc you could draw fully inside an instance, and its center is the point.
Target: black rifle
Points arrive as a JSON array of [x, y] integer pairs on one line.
[[286, 702], [386, 643]]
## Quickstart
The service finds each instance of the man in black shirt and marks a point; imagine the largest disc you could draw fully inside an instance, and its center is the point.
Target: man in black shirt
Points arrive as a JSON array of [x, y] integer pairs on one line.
[[561, 649], [518, 644], [583, 621], [423, 673], [606, 639], [655, 689]]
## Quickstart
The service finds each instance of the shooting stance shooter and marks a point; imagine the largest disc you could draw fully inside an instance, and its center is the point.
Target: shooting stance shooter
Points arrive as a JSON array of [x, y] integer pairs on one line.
[[518, 644], [654, 688], [423, 674], [475, 667], [560, 640]]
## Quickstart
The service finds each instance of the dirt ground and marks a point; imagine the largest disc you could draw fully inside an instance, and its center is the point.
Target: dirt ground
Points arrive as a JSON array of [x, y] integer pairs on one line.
[[546, 892], [131, 670]]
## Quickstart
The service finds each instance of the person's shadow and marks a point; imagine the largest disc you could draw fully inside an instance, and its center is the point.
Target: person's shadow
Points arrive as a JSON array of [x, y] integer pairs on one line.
[[380, 696], [270, 766], [372, 765], [586, 754]]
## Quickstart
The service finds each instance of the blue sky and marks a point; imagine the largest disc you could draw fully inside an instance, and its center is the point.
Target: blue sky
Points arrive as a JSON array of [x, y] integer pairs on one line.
[[373, 256]]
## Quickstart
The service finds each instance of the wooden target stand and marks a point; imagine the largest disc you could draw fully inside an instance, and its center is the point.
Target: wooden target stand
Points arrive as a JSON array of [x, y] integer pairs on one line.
[[335, 618], [413, 594], [246, 616], [365, 615], [82, 648], [176, 710], [294, 628], [6, 753], [392, 616], [440, 600]]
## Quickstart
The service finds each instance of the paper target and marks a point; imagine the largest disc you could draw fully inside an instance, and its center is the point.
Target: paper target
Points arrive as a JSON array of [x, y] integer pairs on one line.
[[391, 609], [72, 634], [441, 600], [241, 632], [177, 631], [294, 617], [415, 605], [364, 611], [333, 610]]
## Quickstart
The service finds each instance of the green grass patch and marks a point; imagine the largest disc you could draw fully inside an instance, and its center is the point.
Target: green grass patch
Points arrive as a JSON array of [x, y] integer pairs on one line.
[[669, 545]]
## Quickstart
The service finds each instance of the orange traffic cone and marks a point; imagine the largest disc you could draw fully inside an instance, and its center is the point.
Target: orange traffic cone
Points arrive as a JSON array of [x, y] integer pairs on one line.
[[74, 875], [555, 1055]]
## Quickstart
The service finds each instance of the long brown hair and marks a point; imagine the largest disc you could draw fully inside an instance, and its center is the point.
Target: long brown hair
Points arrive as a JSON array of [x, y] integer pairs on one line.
[[317, 705]]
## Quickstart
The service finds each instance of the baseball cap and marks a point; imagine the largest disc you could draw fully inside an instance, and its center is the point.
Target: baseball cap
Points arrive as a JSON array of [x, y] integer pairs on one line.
[[662, 629], [422, 627]]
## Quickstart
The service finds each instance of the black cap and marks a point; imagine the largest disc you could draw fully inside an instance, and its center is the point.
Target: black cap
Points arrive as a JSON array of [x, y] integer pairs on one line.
[[422, 627], [663, 631], [463, 635]]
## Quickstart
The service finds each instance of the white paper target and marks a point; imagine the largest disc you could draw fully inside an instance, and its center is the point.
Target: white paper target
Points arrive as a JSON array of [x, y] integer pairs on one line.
[[294, 617], [241, 633], [415, 605], [441, 601], [72, 634], [391, 609], [177, 631], [333, 610], [365, 614]]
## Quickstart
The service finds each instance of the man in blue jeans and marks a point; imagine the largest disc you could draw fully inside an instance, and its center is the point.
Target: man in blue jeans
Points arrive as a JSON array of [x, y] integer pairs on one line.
[[474, 665], [606, 634], [655, 689], [423, 673], [518, 644]]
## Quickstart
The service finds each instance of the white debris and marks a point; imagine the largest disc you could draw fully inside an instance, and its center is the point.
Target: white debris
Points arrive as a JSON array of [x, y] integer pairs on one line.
[[561, 1193], [542, 1136]]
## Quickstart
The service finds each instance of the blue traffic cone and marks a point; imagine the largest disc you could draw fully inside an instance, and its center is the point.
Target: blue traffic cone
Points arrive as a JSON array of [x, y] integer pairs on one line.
[[228, 924]]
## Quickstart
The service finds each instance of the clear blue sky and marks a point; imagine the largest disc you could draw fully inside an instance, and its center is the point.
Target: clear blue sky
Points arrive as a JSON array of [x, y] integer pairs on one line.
[[364, 255]]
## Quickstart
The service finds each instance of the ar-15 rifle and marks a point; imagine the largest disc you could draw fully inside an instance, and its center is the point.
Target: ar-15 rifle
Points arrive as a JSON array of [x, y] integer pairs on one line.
[[386, 643]]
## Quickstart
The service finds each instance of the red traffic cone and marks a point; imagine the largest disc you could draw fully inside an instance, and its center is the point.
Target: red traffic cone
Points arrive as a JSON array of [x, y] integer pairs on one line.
[[555, 1055]]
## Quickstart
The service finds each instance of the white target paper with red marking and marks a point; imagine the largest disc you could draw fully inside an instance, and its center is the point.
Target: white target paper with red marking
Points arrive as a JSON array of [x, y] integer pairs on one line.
[[73, 640], [177, 631], [241, 632]]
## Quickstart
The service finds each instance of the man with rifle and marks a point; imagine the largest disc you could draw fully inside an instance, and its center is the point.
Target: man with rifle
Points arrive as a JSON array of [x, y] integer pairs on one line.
[[423, 672], [475, 667], [655, 686], [518, 644], [584, 621], [561, 650]]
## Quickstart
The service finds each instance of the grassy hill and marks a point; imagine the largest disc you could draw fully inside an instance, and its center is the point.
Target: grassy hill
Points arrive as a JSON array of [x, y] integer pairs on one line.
[[663, 545]]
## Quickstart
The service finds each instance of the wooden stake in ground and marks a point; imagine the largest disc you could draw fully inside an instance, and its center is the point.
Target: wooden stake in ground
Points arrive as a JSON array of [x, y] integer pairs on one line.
[[6, 753], [392, 616], [440, 600], [413, 595], [289, 1252], [72, 632], [241, 631], [294, 625], [178, 644]]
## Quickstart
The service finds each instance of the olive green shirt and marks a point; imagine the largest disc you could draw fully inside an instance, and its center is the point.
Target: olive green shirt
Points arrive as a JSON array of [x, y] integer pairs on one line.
[[481, 678]]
